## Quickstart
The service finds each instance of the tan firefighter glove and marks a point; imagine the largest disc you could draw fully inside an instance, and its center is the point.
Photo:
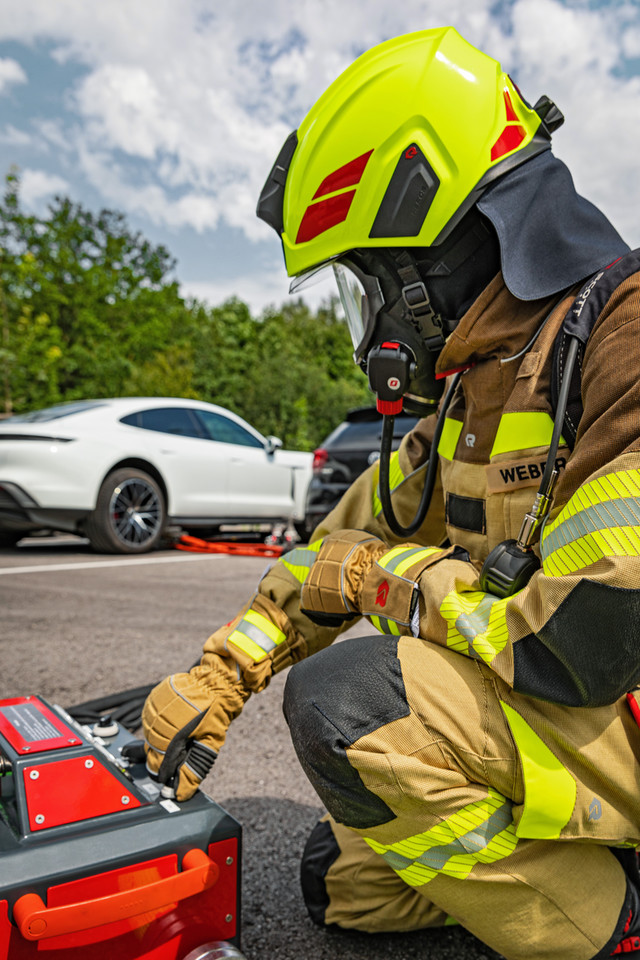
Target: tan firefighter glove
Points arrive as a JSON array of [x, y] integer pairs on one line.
[[185, 720], [357, 574], [186, 717]]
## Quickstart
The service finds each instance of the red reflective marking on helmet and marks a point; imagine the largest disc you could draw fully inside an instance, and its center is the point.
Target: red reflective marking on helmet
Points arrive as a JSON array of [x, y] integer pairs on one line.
[[346, 176], [510, 138], [511, 114], [325, 214]]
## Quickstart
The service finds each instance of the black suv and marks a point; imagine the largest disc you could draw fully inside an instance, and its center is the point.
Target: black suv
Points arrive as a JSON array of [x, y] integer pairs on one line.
[[344, 455]]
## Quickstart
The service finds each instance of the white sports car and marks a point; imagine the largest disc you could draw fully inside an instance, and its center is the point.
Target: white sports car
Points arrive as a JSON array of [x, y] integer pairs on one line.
[[119, 471]]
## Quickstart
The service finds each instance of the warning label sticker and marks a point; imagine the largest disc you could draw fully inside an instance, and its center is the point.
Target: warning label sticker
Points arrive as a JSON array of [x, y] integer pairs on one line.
[[26, 720]]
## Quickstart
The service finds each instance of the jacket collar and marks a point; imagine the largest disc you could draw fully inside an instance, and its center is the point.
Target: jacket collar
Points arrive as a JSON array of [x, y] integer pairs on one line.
[[496, 325]]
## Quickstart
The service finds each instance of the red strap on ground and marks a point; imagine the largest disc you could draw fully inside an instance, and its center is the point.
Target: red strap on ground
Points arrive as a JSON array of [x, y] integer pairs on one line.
[[195, 545]]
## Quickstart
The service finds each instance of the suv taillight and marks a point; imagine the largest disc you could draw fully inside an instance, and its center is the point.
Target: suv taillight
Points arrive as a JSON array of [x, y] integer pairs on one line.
[[320, 457]]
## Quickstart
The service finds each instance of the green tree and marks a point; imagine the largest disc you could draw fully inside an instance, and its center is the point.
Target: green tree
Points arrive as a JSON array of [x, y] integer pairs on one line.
[[90, 309], [108, 294]]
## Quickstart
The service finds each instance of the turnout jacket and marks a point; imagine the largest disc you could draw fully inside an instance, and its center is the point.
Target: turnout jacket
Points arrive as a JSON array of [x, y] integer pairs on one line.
[[570, 636], [560, 655]]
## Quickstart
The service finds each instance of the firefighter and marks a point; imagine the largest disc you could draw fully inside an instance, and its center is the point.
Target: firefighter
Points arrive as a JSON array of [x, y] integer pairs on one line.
[[477, 753]]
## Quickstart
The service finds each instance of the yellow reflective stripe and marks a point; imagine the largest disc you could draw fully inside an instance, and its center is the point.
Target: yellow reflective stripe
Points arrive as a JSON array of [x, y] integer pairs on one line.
[[246, 645], [519, 431], [300, 560], [416, 558], [256, 636], [390, 555], [384, 625], [265, 625], [399, 559], [396, 477], [549, 789], [602, 519], [476, 623], [481, 832], [449, 438]]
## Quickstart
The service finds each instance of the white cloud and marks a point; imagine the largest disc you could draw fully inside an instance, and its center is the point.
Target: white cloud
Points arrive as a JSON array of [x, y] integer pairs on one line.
[[13, 137], [36, 185], [180, 109], [10, 73], [259, 289]]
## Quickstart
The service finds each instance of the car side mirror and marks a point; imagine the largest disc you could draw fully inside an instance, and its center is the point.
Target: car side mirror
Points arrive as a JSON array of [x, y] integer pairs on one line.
[[272, 444]]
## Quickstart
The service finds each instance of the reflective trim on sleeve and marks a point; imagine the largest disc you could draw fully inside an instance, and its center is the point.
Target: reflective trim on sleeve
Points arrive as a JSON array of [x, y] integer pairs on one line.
[[398, 560], [476, 623], [449, 438], [256, 636], [396, 476], [300, 560], [481, 832], [549, 789], [385, 625], [602, 519], [520, 431]]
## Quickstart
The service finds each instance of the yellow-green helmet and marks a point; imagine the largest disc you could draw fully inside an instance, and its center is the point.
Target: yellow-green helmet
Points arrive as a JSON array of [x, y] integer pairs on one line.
[[398, 148]]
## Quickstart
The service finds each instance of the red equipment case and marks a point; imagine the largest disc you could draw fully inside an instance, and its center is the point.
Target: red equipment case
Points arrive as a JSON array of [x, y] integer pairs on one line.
[[94, 862]]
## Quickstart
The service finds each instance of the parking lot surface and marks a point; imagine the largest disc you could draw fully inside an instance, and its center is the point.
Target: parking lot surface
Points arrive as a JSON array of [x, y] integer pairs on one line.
[[77, 625]]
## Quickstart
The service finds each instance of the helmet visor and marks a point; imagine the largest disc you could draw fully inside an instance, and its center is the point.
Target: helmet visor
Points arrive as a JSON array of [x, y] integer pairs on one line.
[[352, 293]]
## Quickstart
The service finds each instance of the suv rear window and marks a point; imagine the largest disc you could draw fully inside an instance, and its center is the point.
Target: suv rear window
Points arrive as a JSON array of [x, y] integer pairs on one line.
[[365, 431]]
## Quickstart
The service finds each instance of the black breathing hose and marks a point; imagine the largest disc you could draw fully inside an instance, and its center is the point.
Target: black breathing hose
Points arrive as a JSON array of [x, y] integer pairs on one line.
[[432, 469], [561, 408]]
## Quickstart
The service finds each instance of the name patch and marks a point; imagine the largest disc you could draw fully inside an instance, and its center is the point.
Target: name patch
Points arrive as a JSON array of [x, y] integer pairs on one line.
[[514, 474]]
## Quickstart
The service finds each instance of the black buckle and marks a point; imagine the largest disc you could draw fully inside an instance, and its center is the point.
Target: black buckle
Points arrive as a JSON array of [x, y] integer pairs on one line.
[[428, 322], [417, 299]]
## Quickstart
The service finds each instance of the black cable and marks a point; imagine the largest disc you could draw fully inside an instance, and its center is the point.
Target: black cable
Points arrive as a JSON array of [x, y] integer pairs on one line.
[[431, 474], [561, 408]]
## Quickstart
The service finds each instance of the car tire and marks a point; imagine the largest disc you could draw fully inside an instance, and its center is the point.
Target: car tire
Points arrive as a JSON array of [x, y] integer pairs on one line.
[[9, 538], [130, 514]]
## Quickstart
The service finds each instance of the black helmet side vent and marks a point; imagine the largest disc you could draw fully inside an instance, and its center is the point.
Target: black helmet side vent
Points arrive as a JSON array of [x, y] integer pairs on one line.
[[271, 198]]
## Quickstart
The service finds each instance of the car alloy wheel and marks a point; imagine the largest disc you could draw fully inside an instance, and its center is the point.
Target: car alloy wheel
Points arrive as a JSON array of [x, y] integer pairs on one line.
[[130, 513], [135, 511]]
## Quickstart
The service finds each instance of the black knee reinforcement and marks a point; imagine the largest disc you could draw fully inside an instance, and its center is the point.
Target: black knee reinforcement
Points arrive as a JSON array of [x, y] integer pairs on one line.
[[333, 699], [626, 936], [321, 850]]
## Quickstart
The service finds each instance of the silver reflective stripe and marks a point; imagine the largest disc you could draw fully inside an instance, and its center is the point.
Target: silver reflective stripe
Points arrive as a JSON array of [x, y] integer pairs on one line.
[[299, 561], [257, 635], [611, 513]]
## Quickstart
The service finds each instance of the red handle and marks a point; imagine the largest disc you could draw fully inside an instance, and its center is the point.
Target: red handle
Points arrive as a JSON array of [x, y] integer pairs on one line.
[[37, 922]]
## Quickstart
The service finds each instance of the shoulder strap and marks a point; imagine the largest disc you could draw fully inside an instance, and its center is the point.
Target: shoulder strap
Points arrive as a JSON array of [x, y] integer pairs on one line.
[[579, 321]]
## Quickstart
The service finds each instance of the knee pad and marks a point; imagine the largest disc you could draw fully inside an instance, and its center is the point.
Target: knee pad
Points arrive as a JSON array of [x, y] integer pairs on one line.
[[321, 850], [331, 700]]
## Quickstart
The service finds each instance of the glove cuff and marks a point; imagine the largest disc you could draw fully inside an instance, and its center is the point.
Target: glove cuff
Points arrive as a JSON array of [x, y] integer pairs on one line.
[[335, 580], [390, 593]]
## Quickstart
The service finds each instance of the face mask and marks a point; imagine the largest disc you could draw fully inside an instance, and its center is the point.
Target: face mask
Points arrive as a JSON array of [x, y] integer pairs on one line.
[[392, 343]]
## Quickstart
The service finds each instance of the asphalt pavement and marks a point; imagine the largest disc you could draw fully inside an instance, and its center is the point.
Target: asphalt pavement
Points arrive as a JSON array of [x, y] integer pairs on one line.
[[76, 625]]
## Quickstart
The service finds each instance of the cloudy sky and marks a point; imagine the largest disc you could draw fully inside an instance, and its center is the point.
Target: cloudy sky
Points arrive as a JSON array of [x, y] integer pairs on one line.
[[173, 111]]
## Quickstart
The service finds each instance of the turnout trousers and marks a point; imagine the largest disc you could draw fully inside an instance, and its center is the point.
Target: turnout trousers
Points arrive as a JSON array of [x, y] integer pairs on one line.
[[416, 752]]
